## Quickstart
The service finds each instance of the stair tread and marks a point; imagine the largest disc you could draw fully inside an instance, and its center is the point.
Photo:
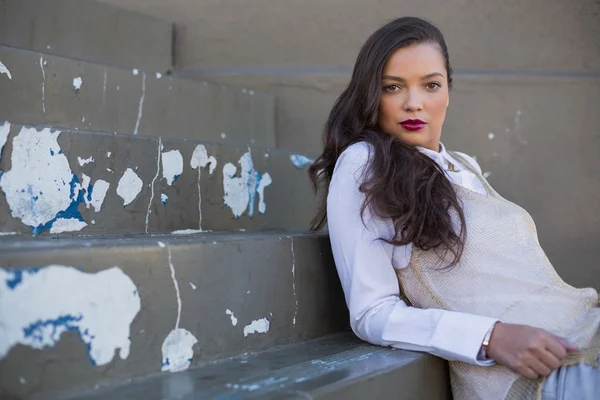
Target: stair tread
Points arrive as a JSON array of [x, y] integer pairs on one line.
[[309, 368]]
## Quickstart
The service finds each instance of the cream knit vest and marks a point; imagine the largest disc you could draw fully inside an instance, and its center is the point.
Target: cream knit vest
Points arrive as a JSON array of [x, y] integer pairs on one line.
[[503, 273]]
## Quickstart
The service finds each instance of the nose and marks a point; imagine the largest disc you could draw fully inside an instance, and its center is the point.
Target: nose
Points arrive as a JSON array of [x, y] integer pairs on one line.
[[413, 101]]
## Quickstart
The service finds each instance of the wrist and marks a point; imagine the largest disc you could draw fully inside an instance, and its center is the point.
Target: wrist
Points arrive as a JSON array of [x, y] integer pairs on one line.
[[485, 345]]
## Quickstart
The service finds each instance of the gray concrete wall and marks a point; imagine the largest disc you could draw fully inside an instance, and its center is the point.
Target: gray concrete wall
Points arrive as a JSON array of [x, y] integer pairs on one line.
[[539, 58], [88, 30]]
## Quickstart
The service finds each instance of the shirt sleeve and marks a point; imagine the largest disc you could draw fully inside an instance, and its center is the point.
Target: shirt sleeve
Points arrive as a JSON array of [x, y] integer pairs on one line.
[[365, 268]]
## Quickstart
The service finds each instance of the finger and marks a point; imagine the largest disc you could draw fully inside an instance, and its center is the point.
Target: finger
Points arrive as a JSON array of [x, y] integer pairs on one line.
[[557, 347], [550, 360], [539, 367], [565, 343], [527, 373]]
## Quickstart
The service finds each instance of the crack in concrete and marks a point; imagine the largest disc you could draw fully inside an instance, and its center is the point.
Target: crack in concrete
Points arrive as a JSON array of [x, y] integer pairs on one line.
[[152, 184], [176, 287], [43, 83], [294, 280], [141, 105]]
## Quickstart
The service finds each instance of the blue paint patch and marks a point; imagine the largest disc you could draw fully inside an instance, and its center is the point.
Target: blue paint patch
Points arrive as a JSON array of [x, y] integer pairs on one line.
[[176, 177], [300, 161], [36, 329], [64, 323], [69, 212], [135, 292], [89, 190], [17, 275], [165, 362]]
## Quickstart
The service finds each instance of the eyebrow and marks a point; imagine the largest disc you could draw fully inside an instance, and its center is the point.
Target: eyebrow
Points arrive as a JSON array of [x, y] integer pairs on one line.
[[399, 79]]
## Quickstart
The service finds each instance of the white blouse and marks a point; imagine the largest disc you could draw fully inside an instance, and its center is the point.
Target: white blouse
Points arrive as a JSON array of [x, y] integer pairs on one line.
[[366, 265]]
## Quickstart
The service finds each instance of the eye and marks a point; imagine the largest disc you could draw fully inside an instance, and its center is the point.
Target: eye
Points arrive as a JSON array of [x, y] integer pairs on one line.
[[433, 85], [391, 88]]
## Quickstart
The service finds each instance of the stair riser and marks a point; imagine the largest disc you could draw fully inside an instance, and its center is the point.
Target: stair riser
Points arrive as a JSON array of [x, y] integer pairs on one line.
[[115, 100], [288, 199], [88, 30], [254, 277]]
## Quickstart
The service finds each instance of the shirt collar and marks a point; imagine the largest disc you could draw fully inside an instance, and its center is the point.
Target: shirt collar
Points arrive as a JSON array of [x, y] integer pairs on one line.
[[442, 157]]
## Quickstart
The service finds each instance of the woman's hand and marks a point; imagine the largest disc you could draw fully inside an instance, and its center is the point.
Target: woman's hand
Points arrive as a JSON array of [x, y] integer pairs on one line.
[[529, 351]]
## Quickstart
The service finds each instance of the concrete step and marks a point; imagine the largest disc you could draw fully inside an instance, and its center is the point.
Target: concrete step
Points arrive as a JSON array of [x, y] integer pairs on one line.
[[337, 367], [166, 302], [42, 89], [88, 30], [75, 182]]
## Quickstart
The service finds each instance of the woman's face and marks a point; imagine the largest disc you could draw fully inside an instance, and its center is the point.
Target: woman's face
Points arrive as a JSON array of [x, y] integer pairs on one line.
[[414, 95]]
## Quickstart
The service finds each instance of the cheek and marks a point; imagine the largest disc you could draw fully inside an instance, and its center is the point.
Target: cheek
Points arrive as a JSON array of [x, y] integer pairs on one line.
[[437, 107], [387, 109]]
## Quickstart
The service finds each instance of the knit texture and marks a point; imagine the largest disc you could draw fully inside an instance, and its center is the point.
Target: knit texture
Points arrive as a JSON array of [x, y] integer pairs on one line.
[[503, 273]]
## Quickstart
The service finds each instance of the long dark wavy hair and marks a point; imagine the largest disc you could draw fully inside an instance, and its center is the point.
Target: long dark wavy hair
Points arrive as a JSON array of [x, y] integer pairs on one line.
[[400, 182]]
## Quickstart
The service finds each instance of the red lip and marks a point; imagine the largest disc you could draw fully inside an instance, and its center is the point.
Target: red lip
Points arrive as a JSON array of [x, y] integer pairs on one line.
[[413, 124]]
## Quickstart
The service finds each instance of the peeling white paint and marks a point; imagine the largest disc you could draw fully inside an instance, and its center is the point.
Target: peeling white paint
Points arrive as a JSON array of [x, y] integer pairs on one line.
[[100, 189], [141, 104], [259, 326], [40, 187], [4, 131], [108, 153], [300, 161], [234, 320], [200, 159], [177, 350], [158, 75], [487, 174], [164, 198], [491, 135], [223, 135], [4, 70], [77, 82], [240, 191], [187, 231], [135, 71], [172, 162], [161, 244], [39, 305], [149, 210], [84, 161], [264, 182], [193, 286], [130, 185], [251, 92], [8, 233], [67, 225], [43, 83]]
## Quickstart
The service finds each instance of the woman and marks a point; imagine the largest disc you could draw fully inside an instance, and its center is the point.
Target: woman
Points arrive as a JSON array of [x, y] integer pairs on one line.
[[430, 257]]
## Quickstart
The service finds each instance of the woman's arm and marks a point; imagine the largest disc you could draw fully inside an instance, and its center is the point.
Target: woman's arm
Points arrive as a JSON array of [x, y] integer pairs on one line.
[[364, 265]]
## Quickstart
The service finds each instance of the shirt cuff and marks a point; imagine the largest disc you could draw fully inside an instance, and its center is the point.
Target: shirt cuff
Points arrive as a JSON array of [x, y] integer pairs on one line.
[[459, 336]]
